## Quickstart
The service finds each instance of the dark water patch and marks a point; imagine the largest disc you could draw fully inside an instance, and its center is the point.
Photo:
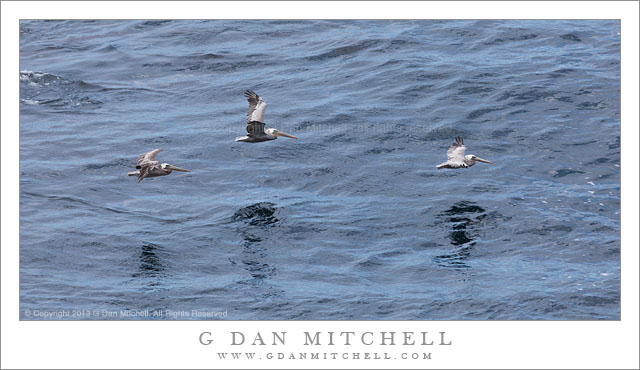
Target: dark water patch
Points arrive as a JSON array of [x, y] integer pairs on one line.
[[481, 112], [571, 37], [565, 172], [527, 37], [395, 45], [501, 133], [612, 253], [585, 143], [565, 99], [162, 65], [319, 172], [473, 90], [258, 270], [583, 92], [455, 260], [422, 76], [561, 72], [157, 140], [345, 50], [370, 263], [211, 291], [120, 162], [519, 111], [591, 105], [152, 23], [207, 56], [381, 150], [463, 207], [547, 230], [590, 301], [250, 238], [506, 39], [486, 75], [259, 214], [603, 228], [150, 265], [462, 220], [460, 237]]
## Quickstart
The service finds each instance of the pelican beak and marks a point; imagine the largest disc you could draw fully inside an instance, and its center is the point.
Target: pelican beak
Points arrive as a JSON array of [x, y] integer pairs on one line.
[[483, 160], [280, 133], [174, 168]]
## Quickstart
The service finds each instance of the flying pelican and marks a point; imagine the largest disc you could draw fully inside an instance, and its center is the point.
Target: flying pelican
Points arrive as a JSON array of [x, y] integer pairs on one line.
[[456, 157], [255, 122], [149, 167]]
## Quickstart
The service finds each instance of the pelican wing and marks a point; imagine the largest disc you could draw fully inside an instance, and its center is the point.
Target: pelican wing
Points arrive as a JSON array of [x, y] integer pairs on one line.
[[255, 128], [148, 157], [145, 169], [455, 153], [453, 163], [257, 107]]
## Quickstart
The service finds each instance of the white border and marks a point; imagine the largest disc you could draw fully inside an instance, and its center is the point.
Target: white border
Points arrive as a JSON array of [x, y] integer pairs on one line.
[[174, 344]]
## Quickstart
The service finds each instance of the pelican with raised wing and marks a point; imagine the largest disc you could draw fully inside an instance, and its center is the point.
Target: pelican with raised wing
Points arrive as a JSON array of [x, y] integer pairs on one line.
[[149, 167], [456, 157], [255, 122]]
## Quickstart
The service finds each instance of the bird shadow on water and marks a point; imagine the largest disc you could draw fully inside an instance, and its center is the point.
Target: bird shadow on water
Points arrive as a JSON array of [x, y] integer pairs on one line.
[[461, 220], [151, 268], [254, 225], [259, 214]]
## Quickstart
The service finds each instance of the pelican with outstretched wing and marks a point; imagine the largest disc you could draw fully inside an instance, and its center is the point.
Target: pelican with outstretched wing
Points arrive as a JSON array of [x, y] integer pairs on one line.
[[456, 157], [255, 122], [149, 167]]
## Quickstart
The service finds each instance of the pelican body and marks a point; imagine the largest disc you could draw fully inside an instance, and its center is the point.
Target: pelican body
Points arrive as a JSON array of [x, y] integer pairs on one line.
[[255, 122], [149, 167], [456, 157]]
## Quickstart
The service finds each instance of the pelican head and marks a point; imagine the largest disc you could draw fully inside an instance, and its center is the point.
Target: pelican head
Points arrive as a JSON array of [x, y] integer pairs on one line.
[[168, 168], [474, 159], [276, 133]]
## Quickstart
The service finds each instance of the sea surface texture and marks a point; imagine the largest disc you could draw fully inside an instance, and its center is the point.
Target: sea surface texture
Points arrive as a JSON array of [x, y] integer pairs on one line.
[[352, 221]]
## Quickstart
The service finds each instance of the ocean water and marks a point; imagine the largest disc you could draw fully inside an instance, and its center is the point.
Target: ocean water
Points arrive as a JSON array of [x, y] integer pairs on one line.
[[350, 222]]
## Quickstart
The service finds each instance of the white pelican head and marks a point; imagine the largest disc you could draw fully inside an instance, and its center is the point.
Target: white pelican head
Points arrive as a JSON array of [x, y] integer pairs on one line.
[[168, 168], [474, 159], [276, 133]]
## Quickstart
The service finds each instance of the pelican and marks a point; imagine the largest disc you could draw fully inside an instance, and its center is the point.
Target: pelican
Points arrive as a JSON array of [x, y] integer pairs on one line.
[[255, 122], [149, 167], [456, 157]]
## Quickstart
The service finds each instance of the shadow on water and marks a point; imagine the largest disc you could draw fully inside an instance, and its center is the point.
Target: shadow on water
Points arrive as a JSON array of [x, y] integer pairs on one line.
[[462, 219], [259, 214], [255, 221], [151, 265]]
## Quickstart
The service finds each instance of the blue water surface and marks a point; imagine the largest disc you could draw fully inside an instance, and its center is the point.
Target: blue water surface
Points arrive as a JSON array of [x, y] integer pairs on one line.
[[351, 221]]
